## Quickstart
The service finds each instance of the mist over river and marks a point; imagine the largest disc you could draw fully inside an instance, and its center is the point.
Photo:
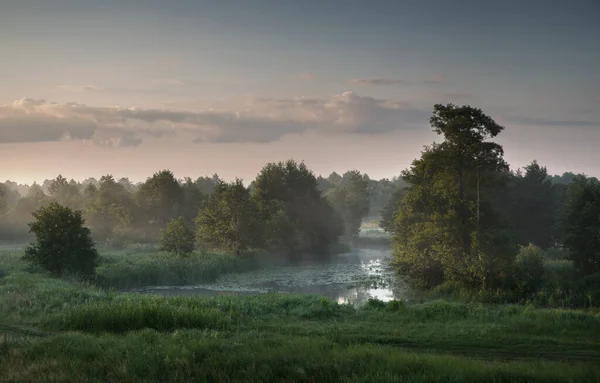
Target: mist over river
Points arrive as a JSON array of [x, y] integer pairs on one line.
[[352, 278]]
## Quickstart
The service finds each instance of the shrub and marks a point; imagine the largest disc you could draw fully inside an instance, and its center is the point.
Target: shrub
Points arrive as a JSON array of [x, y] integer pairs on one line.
[[529, 268], [178, 237], [63, 244]]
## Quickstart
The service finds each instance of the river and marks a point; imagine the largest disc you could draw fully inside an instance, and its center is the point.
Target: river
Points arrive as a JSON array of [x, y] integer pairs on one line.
[[351, 278]]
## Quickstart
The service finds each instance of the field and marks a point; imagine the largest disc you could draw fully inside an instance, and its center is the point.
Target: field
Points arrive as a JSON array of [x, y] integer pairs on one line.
[[61, 330]]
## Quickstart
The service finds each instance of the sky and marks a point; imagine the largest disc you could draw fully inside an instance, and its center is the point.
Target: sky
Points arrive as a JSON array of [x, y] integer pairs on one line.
[[201, 87]]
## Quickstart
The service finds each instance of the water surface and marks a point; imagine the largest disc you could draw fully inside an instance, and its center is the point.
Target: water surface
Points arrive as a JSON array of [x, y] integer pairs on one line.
[[352, 277]]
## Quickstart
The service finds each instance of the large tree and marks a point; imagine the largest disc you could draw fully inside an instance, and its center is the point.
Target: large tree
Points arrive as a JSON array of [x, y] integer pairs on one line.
[[289, 191], [160, 199], [447, 227]]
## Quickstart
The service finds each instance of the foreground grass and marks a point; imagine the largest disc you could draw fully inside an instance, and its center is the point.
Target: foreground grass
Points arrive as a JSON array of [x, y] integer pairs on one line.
[[208, 356], [92, 335]]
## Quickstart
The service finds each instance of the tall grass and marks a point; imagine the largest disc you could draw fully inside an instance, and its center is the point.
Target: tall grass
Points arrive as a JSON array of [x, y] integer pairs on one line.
[[24, 298], [153, 269], [146, 266]]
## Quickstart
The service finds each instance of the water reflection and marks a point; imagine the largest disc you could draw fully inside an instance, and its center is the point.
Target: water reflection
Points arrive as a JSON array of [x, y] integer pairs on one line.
[[350, 278]]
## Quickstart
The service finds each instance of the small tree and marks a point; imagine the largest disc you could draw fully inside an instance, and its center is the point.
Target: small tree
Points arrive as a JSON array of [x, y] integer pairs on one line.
[[63, 244], [178, 237], [229, 220], [530, 268]]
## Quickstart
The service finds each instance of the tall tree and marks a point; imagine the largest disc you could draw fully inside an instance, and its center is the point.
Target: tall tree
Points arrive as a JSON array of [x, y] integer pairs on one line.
[[193, 199], [351, 200], [447, 227], [110, 207], [160, 198]]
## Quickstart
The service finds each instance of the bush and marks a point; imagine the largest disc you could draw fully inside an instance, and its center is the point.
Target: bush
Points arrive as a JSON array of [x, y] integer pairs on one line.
[[178, 237], [63, 244], [529, 268]]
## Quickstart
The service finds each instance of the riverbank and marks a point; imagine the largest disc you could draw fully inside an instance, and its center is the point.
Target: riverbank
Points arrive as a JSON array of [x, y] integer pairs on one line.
[[55, 330]]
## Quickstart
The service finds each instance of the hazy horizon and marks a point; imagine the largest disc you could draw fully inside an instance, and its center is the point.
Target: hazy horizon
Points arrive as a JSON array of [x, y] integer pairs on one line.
[[199, 87]]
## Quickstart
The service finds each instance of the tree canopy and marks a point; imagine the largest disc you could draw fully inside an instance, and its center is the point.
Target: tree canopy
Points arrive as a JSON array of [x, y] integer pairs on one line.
[[447, 227], [63, 244]]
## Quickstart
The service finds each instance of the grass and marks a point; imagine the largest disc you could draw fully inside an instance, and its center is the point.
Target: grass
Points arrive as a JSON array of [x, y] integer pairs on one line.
[[146, 266], [70, 331], [93, 335]]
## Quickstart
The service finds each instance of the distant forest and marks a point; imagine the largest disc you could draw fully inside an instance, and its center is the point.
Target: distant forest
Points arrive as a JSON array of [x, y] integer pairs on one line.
[[120, 211]]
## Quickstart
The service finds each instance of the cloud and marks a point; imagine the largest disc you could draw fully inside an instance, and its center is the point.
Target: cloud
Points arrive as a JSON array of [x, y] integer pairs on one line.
[[258, 120], [79, 88], [377, 81]]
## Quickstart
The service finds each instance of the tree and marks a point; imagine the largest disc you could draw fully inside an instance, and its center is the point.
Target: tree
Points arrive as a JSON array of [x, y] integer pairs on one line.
[[351, 200], [160, 199], [581, 224], [3, 202], [63, 243], [230, 219], [18, 217], [193, 199], [291, 189], [110, 207], [448, 227], [388, 213], [178, 237], [533, 203], [65, 192], [206, 185]]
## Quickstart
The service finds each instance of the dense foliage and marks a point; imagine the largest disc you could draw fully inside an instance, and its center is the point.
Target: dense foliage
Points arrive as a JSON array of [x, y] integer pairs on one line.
[[448, 227], [298, 218], [295, 212], [351, 201], [464, 214], [582, 224], [230, 219], [63, 244], [178, 237]]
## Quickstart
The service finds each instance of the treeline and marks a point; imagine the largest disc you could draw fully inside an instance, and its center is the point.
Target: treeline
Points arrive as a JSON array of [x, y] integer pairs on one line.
[[285, 209], [466, 218]]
